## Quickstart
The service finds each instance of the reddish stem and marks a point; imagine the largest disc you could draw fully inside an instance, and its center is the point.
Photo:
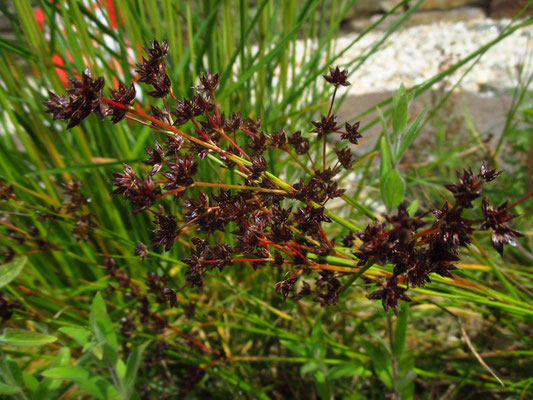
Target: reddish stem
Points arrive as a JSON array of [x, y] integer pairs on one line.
[[327, 118], [212, 121], [527, 196], [171, 94], [331, 104], [324, 154], [180, 189], [315, 169], [216, 105], [200, 131], [140, 122], [234, 144], [295, 251], [425, 232], [237, 260], [296, 273]]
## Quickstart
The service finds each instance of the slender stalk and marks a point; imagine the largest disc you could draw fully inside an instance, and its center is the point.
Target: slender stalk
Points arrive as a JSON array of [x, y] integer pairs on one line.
[[140, 122], [527, 196], [394, 362], [216, 106], [296, 273], [228, 186], [234, 144], [200, 130], [177, 190], [300, 163], [324, 141]]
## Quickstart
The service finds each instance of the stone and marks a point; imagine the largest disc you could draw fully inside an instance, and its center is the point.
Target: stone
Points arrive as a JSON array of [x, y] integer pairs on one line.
[[446, 4], [387, 5], [463, 14], [488, 113], [363, 8], [508, 8]]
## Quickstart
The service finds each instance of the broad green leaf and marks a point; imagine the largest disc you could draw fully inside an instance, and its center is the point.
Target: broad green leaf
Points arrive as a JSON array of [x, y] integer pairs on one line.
[[410, 136], [132, 366], [345, 370], [406, 363], [407, 387], [80, 335], [387, 159], [62, 357], [381, 341], [30, 382], [319, 351], [380, 361], [15, 371], [101, 323], [393, 190], [96, 348], [92, 384], [411, 210], [21, 338], [386, 164], [309, 367], [401, 330], [321, 384], [100, 388], [296, 347], [317, 333], [48, 385], [400, 111], [121, 369], [110, 355], [10, 271], [71, 372], [8, 389], [406, 376]]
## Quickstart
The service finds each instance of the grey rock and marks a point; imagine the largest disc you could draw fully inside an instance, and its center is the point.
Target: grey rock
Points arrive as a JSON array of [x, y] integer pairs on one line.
[[463, 14], [447, 4], [508, 8], [488, 113]]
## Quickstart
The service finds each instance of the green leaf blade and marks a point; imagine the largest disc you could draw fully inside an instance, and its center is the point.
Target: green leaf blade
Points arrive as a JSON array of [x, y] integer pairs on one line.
[[19, 338], [10, 271]]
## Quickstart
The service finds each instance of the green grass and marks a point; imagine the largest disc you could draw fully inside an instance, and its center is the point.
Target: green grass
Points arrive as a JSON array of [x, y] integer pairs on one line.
[[352, 350]]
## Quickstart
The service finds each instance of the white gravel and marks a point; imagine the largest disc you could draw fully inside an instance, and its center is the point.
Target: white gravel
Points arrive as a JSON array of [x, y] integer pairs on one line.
[[415, 54]]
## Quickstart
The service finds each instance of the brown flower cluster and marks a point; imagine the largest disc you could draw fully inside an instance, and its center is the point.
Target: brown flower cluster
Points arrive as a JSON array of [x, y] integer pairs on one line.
[[20, 234], [416, 254], [144, 314], [83, 98]]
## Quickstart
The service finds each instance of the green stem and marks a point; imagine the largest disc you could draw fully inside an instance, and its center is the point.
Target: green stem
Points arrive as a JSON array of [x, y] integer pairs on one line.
[[228, 186], [355, 276], [394, 363]]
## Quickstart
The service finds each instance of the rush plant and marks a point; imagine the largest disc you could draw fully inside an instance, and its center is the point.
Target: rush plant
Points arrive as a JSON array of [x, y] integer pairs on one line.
[[272, 222]]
